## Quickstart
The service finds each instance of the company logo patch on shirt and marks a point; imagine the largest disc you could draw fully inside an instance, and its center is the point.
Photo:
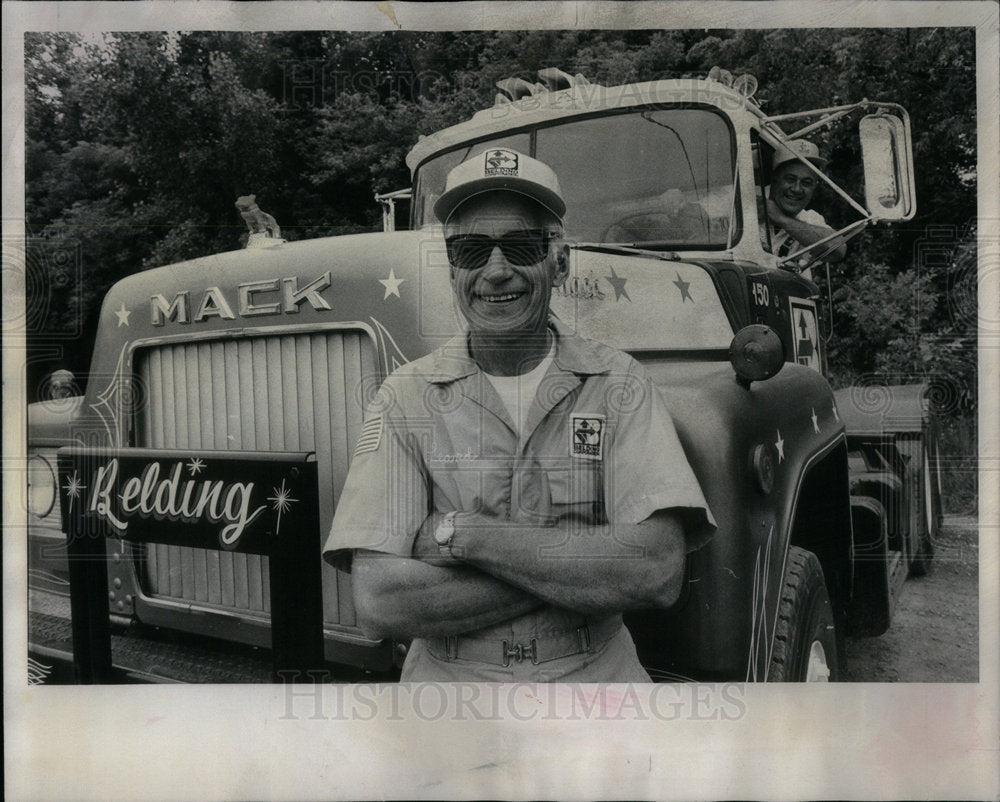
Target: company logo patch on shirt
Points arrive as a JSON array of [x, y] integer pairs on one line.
[[500, 162], [586, 439], [371, 435]]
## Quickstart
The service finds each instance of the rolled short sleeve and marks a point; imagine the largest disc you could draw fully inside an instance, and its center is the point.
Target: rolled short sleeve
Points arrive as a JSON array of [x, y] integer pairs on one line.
[[384, 500], [647, 469]]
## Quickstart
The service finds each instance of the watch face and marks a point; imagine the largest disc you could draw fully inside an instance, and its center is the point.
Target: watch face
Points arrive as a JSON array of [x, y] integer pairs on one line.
[[445, 531]]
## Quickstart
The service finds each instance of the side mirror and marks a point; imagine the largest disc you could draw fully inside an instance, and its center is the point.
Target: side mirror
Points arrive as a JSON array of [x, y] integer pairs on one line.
[[388, 201], [756, 353], [887, 153]]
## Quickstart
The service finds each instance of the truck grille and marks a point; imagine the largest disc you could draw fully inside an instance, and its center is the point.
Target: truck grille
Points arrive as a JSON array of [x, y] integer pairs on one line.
[[291, 392]]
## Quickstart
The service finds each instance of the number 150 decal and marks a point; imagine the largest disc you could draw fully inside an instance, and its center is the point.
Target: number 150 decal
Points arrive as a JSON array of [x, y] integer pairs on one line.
[[760, 293]]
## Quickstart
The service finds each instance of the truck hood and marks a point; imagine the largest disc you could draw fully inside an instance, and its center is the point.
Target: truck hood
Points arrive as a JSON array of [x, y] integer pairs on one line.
[[400, 279], [397, 286]]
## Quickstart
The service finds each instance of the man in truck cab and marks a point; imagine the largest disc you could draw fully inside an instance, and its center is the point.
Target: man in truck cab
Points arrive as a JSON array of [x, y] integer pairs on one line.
[[515, 491], [791, 225]]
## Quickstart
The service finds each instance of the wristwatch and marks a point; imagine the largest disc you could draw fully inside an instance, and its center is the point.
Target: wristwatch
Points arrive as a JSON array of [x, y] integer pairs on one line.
[[444, 533]]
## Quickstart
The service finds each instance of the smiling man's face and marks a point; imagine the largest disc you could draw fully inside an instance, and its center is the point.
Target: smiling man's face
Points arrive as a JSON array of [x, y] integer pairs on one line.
[[792, 187], [504, 288]]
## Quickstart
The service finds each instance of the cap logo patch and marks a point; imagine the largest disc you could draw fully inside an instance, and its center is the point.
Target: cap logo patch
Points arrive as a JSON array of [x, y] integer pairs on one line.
[[500, 162], [587, 435]]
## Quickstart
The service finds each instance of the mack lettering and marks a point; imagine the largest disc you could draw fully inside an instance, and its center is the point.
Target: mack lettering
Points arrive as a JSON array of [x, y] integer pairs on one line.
[[214, 303]]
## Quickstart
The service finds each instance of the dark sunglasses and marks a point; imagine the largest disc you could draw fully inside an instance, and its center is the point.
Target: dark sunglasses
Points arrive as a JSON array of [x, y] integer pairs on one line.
[[521, 248]]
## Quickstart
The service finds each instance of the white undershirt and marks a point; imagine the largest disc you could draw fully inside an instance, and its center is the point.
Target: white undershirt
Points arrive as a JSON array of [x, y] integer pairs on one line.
[[517, 392]]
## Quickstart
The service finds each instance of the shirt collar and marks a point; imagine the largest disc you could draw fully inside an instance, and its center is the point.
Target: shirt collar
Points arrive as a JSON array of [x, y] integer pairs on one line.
[[574, 354]]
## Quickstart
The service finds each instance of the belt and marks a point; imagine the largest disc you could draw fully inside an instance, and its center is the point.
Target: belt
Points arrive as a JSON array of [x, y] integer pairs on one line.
[[539, 649]]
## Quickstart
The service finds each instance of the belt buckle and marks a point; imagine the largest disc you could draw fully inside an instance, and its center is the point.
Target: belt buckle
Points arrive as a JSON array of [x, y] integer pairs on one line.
[[520, 651]]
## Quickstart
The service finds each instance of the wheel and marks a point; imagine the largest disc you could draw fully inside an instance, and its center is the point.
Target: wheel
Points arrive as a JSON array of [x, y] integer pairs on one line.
[[805, 639], [930, 505]]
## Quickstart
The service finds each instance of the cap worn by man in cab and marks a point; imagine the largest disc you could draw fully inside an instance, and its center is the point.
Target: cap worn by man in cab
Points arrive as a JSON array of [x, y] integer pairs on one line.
[[795, 148], [500, 169]]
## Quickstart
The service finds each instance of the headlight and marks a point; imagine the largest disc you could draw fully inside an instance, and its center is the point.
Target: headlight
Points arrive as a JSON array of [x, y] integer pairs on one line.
[[41, 486]]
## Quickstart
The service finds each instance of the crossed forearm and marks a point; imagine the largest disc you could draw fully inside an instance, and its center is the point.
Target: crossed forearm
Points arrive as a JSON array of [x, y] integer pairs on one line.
[[402, 597], [594, 569], [502, 569]]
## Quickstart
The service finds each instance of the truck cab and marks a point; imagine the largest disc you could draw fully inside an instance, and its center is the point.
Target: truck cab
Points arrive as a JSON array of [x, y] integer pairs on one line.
[[279, 350]]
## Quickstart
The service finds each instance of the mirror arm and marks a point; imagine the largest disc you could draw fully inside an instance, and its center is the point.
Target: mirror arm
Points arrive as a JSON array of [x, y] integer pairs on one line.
[[829, 111], [820, 123]]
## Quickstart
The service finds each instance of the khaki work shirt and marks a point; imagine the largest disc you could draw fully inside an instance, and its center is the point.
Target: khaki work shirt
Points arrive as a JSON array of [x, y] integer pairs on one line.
[[599, 444]]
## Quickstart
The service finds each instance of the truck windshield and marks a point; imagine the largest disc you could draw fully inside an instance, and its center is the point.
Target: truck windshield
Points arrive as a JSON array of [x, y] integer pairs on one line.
[[657, 178]]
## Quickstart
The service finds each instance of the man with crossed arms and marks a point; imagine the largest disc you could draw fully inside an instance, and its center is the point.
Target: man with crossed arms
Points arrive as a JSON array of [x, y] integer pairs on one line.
[[572, 501]]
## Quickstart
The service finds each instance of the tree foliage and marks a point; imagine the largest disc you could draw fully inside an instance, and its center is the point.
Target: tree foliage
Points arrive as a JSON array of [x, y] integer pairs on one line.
[[139, 143]]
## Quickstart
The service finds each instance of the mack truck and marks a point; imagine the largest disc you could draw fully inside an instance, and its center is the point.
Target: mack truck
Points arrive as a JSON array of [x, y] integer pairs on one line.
[[177, 507]]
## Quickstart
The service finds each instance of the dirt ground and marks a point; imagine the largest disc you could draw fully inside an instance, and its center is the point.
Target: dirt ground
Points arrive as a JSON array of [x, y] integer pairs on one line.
[[934, 635]]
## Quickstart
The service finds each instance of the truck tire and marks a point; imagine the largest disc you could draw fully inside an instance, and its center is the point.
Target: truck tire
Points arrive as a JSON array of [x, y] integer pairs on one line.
[[930, 506], [805, 642]]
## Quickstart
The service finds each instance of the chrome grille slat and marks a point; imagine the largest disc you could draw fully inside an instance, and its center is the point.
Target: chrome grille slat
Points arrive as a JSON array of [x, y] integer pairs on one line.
[[284, 392], [220, 397]]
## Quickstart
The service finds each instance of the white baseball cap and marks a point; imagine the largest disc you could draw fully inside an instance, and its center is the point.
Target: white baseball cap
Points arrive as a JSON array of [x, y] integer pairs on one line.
[[500, 169], [793, 149]]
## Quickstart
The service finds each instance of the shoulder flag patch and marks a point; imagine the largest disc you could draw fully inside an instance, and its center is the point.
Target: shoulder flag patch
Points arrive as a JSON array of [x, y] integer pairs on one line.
[[371, 435]]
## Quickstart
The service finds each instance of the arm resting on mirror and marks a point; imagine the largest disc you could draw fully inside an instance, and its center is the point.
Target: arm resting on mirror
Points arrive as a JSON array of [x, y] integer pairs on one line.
[[807, 233]]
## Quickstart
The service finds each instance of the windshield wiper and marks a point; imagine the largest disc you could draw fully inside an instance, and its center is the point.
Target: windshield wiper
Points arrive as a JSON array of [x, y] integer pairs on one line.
[[652, 248]]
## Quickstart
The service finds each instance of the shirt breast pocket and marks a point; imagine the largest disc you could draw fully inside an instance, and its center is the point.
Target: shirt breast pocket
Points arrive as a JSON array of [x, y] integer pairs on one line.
[[578, 492]]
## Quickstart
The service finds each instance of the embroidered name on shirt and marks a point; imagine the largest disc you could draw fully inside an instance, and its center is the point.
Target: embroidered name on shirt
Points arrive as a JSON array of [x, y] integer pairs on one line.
[[371, 435], [587, 435]]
